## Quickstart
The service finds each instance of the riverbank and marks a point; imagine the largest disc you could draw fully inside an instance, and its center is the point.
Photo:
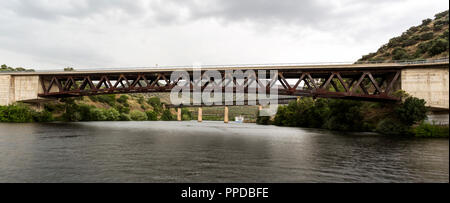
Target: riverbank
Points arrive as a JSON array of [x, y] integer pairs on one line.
[[93, 108], [124, 107], [403, 119]]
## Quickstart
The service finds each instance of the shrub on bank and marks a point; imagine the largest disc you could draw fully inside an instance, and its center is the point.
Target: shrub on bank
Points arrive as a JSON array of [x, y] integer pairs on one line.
[[152, 116], [123, 99], [19, 113], [411, 111], [331, 114], [186, 115], [16, 114], [263, 120], [390, 126], [138, 115], [347, 115], [43, 116], [111, 114], [109, 99], [167, 115], [96, 115], [124, 117], [155, 102], [431, 130], [123, 109]]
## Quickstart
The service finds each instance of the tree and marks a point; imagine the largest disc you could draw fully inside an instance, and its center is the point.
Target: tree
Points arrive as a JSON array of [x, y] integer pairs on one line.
[[345, 115], [111, 114], [152, 116], [167, 115], [186, 115], [399, 54], [155, 102], [138, 115], [438, 46], [426, 36], [412, 111], [426, 22], [123, 99]]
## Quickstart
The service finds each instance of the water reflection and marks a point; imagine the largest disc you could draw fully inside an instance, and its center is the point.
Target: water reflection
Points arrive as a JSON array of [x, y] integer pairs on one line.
[[211, 152]]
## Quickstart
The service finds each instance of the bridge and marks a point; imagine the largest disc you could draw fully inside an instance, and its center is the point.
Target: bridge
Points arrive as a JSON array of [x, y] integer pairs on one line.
[[369, 81]]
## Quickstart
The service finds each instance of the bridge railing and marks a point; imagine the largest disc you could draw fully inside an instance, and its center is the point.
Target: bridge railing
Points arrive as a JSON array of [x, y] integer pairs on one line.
[[427, 61], [422, 61]]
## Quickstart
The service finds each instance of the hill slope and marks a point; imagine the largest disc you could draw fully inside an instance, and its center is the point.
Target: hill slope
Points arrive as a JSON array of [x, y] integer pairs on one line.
[[425, 41]]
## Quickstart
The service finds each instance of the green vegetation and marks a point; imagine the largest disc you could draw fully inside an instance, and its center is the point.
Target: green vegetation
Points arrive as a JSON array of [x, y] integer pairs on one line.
[[124, 117], [428, 40], [343, 115], [152, 116], [123, 99], [19, 113], [346, 115], [109, 99], [431, 130], [412, 111], [69, 69], [264, 120], [155, 102], [138, 115], [81, 109], [186, 115], [5, 68], [391, 126], [167, 116]]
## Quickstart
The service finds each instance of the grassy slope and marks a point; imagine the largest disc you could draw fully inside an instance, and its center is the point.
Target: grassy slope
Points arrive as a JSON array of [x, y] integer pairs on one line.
[[210, 113], [416, 42]]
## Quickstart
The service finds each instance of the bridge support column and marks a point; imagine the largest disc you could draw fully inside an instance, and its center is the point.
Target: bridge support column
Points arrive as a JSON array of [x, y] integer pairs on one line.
[[200, 117], [179, 114], [225, 115]]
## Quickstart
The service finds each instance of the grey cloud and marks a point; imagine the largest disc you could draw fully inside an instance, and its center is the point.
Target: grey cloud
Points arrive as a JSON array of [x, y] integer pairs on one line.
[[55, 10], [301, 13], [262, 11]]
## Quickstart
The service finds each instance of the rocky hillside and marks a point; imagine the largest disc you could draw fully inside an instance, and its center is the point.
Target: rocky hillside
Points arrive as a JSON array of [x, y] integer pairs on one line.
[[428, 40]]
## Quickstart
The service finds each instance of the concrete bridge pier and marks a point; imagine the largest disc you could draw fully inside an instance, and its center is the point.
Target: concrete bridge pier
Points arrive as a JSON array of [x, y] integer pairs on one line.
[[259, 109], [200, 117], [179, 114], [225, 115]]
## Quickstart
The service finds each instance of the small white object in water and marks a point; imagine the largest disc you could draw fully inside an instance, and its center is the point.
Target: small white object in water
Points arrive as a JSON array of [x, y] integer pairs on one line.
[[239, 119]]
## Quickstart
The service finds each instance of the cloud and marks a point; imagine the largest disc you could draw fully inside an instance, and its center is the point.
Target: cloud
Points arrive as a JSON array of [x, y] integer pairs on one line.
[[80, 9], [92, 33]]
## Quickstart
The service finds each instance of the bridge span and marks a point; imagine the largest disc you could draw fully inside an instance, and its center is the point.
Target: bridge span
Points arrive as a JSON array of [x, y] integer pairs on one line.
[[427, 80]]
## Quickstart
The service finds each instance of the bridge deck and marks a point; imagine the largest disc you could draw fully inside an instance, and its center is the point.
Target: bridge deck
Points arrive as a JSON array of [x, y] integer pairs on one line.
[[328, 67]]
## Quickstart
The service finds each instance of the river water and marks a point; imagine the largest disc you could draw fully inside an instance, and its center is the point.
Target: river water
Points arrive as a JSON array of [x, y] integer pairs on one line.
[[212, 152]]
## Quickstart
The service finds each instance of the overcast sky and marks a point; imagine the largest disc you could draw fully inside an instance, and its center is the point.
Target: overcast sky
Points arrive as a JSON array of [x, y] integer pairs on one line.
[[121, 33]]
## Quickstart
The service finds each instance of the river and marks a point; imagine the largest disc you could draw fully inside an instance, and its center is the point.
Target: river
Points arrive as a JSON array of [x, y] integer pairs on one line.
[[212, 152]]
